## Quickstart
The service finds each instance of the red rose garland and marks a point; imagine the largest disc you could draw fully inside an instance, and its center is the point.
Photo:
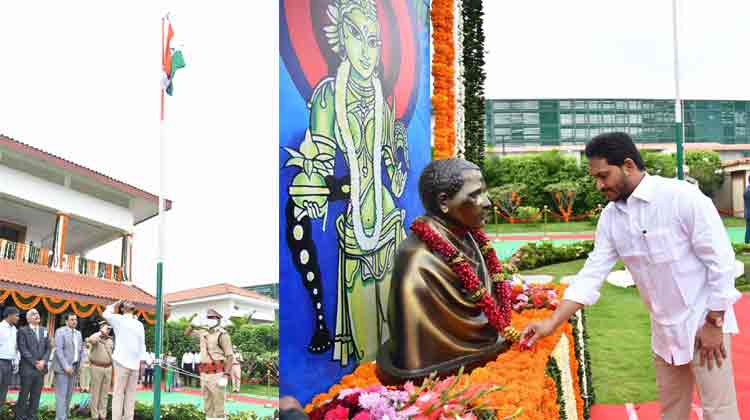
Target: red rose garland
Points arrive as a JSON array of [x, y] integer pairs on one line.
[[497, 315]]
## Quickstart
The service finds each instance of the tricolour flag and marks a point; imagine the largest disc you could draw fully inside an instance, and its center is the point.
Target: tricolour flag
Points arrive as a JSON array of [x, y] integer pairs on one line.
[[171, 61]]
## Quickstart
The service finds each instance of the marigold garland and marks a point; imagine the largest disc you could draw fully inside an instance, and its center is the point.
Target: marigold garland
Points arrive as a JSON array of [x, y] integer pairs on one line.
[[520, 373], [443, 96], [23, 301]]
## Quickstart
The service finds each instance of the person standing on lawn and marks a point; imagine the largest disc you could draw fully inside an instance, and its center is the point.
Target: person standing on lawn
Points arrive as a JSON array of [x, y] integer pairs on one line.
[[672, 240], [100, 358]]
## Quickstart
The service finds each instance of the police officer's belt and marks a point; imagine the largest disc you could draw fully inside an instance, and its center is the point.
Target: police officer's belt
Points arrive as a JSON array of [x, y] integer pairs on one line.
[[213, 367], [102, 365]]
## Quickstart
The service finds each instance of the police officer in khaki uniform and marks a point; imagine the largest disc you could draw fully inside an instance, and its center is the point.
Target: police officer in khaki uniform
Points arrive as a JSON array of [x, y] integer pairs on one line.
[[100, 358], [215, 362]]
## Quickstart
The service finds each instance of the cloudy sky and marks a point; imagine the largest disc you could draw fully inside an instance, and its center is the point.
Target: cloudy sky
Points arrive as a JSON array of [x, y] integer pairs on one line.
[[616, 49], [80, 80]]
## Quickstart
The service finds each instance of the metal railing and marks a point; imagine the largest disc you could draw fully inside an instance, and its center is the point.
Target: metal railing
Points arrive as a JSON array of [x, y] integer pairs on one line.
[[30, 254]]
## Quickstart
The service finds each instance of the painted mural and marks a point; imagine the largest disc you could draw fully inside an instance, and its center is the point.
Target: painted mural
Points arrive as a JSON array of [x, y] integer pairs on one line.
[[355, 133]]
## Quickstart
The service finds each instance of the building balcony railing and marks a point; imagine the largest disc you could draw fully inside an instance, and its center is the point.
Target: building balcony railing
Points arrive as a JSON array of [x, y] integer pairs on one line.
[[30, 254]]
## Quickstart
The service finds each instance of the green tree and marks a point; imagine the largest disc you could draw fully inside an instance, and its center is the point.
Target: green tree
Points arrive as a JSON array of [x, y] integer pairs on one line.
[[657, 163], [705, 167], [537, 171]]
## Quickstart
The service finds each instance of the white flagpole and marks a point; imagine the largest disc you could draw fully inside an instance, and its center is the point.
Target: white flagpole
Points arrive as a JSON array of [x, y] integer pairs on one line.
[[160, 236], [678, 130]]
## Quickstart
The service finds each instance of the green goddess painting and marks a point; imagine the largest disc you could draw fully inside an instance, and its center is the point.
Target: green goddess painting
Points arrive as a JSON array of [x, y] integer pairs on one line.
[[354, 133], [349, 115]]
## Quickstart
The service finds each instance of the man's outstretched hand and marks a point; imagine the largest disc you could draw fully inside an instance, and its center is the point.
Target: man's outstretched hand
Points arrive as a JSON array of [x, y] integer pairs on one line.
[[539, 329], [536, 330]]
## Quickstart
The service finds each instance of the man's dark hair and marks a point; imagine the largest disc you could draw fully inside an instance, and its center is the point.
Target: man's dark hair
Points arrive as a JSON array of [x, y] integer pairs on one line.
[[69, 314], [10, 310], [614, 148], [442, 176]]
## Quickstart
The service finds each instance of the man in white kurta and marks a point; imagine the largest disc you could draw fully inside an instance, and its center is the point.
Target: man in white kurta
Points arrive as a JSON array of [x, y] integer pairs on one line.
[[671, 238], [130, 349]]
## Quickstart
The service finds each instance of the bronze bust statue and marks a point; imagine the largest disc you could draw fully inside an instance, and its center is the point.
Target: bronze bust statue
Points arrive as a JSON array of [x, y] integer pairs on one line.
[[435, 323]]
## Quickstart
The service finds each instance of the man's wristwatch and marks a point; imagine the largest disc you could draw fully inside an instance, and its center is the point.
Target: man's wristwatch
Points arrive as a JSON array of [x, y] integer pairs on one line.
[[716, 319]]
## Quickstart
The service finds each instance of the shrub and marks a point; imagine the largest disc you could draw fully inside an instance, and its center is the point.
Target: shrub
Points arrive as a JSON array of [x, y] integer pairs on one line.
[[705, 167], [535, 255], [527, 213], [142, 412], [507, 197], [658, 163], [564, 195]]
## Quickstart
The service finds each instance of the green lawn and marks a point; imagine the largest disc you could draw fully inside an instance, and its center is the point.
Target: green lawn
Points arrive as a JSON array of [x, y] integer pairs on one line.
[[260, 390], [570, 227], [619, 339], [552, 227]]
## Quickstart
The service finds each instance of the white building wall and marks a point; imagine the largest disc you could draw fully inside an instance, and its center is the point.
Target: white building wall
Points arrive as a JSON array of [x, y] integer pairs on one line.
[[36, 190], [260, 313], [226, 307], [187, 310]]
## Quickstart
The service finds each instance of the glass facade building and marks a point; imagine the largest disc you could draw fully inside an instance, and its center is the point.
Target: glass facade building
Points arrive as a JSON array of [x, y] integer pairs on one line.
[[553, 122]]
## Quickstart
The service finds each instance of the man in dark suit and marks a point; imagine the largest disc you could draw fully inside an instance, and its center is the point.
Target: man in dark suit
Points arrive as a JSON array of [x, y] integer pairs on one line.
[[34, 346]]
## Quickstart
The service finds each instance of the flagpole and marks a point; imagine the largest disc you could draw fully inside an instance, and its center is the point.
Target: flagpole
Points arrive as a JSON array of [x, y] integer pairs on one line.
[[678, 126], [160, 247]]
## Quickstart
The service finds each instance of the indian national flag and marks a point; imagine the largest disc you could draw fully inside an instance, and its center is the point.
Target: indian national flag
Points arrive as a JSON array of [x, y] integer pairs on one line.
[[171, 61]]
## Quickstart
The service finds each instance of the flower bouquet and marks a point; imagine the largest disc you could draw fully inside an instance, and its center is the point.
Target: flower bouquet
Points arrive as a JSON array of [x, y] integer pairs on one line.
[[525, 296], [452, 398]]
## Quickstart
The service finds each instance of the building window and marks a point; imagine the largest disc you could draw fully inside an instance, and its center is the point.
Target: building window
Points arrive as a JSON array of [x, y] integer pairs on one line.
[[12, 232], [503, 118], [531, 118]]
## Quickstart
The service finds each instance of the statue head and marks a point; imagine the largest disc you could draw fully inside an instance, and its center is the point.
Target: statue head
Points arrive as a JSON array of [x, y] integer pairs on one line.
[[354, 33], [454, 191]]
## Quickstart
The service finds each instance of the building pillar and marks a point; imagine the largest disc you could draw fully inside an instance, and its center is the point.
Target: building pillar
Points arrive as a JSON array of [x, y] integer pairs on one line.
[[126, 257], [58, 244]]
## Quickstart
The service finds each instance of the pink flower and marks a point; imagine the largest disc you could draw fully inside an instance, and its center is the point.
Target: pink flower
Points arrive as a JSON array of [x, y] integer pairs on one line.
[[427, 398], [522, 298], [452, 410], [362, 415], [551, 294], [338, 413], [347, 392]]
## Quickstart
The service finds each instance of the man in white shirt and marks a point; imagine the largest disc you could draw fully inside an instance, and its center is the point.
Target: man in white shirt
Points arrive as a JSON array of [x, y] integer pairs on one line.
[[8, 349], [672, 240], [149, 370], [130, 349], [187, 366]]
